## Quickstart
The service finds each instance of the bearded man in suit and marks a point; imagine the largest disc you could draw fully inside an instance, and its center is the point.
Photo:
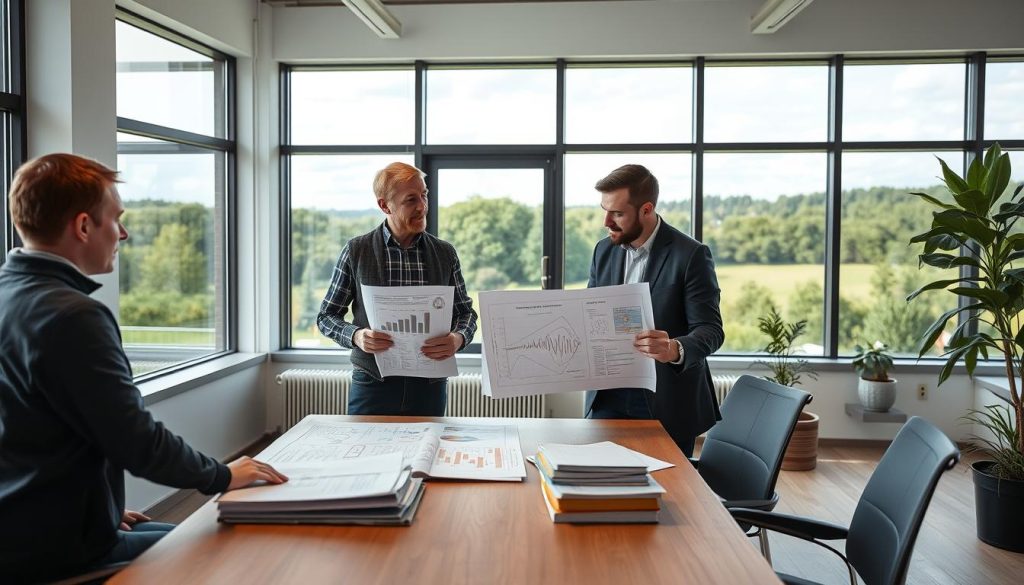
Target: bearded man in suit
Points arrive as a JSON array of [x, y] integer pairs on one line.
[[642, 247]]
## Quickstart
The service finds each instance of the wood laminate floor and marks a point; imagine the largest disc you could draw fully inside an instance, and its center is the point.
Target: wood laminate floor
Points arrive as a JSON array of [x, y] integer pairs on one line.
[[947, 551]]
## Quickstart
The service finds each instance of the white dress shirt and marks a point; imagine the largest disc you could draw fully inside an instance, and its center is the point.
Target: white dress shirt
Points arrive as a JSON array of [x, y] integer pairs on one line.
[[636, 265]]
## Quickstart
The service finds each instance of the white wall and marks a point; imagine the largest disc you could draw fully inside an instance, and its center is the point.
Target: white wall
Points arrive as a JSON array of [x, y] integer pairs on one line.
[[219, 419], [647, 28], [833, 390]]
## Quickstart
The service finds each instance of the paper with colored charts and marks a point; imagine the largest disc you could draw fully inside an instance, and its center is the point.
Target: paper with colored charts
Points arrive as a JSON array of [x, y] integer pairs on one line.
[[548, 341], [410, 315], [433, 450]]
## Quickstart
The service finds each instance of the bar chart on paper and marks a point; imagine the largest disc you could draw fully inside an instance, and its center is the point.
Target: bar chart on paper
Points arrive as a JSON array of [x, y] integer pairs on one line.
[[411, 324], [471, 458], [488, 452]]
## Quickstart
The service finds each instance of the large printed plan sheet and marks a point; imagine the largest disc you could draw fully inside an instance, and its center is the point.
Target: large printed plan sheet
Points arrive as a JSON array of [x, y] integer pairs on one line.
[[438, 450], [544, 342], [410, 315]]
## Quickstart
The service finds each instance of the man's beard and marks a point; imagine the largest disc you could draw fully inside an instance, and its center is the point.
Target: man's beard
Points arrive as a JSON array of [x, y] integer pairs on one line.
[[628, 237]]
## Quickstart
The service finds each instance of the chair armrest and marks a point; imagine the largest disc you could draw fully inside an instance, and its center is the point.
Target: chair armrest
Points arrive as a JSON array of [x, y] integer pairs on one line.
[[694, 462], [765, 505], [798, 526]]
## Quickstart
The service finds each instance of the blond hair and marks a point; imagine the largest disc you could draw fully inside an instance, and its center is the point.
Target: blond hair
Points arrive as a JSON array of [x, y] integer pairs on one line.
[[388, 179]]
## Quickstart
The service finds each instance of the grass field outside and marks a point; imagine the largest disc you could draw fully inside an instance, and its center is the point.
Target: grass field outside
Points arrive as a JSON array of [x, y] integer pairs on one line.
[[780, 280], [169, 336]]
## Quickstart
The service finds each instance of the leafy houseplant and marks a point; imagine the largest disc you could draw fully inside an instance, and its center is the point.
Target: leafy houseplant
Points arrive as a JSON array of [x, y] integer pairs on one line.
[[788, 369], [873, 363], [876, 390], [981, 220]]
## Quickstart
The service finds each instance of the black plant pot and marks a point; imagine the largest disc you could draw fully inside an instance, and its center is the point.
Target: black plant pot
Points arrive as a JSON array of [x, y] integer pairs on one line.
[[999, 506]]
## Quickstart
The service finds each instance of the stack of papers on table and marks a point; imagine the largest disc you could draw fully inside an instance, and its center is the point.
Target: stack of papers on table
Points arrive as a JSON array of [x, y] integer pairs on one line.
[[602, 482], [376, 490], [433, 450]]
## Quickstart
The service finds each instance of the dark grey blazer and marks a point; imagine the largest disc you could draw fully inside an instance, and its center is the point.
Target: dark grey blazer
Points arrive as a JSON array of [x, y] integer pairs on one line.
[[685, 297]]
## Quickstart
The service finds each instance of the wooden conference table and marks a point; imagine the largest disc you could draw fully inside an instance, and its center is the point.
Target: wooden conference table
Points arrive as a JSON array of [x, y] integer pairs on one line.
[[480, 532]]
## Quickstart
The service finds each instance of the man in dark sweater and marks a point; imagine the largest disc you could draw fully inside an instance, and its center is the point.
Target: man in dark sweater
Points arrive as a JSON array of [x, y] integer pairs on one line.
[[399, 252], [71, 420]]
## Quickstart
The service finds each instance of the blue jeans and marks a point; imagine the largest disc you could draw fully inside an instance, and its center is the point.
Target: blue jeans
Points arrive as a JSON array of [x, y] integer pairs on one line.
[[397, 395], [132, 544]]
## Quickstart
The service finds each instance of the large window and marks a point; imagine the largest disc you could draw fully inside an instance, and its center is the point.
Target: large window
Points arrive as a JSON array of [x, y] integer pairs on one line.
[[764, 219], [345, 125], [12, 109], [795, 172], [175, 153]]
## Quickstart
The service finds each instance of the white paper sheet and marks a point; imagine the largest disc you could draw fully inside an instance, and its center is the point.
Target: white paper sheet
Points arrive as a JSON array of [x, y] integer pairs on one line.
[[410, 315], [544, 342], [335, 480], [477, 452]]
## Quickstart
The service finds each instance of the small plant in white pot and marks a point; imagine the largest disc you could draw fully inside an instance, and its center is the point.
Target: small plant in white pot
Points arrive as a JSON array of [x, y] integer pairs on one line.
[[876, 389]]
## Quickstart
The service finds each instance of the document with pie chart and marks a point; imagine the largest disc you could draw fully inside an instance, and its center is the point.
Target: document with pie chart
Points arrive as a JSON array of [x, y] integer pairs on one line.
[[551, 341]]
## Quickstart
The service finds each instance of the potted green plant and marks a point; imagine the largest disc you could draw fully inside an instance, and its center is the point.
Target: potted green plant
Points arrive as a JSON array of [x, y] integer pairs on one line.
[[981, 220], [787, 368], [875, 389]]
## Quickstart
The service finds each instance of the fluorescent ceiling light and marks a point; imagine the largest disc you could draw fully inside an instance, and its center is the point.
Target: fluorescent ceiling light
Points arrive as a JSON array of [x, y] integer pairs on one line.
[[375, 16], [775, 13]]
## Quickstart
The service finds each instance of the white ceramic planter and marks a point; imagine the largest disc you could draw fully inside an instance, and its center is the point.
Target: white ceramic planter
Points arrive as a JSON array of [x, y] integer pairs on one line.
[[876, 396]]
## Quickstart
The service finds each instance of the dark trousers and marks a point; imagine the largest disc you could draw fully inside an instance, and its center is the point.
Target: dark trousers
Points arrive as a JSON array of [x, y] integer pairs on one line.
[[397, 395], [631, 404], [132, 544]]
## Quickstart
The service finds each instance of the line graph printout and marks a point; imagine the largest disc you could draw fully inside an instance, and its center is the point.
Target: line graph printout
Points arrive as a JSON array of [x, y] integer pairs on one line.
[[438, 450], [545, 342], [410, 315]]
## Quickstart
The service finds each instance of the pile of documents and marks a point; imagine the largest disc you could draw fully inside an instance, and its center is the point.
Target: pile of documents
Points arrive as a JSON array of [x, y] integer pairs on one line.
[[378, 490], [601, 482]]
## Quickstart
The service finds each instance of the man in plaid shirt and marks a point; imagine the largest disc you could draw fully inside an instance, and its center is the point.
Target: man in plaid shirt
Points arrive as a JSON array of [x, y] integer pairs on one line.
[[399, 252]]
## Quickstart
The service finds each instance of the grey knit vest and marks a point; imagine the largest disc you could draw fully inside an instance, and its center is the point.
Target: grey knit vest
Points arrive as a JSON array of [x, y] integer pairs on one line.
[[368, 254]]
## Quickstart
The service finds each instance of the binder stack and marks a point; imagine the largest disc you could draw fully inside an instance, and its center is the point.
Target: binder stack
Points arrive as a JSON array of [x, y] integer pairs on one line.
[[599, 483], [372, 490]]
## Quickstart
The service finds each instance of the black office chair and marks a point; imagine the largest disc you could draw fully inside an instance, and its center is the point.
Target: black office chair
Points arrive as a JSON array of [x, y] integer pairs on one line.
[[742, 454], [885, 524]]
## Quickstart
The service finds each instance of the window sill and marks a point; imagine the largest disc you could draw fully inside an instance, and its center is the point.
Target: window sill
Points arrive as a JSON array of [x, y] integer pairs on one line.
[[175, 383], [339, 357], [731, 363], [997, 385]]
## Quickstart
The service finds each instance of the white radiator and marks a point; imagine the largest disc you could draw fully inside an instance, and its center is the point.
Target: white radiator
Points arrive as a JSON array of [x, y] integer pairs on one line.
[[723, 383], [326, 392], [465, 399], [312, 392]]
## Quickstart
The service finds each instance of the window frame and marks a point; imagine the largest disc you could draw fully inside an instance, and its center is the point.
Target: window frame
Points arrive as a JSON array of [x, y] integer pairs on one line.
[[12, 103], [971, 145], [185, 141]]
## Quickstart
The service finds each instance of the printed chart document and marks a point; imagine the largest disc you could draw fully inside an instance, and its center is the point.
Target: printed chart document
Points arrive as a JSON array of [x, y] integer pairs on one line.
[[432, 450], [548, 341], [410, 315]]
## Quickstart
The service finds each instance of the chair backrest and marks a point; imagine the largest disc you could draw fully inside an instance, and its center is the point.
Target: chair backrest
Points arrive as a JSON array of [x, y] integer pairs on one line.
[[889, 513], [742, 453]]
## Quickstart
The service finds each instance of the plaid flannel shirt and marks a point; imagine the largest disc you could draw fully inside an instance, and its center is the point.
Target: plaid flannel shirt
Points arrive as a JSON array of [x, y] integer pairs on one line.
[[402, 267]]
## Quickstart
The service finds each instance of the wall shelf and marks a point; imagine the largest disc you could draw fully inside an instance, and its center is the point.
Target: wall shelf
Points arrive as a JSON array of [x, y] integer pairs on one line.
[[857, 411]]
